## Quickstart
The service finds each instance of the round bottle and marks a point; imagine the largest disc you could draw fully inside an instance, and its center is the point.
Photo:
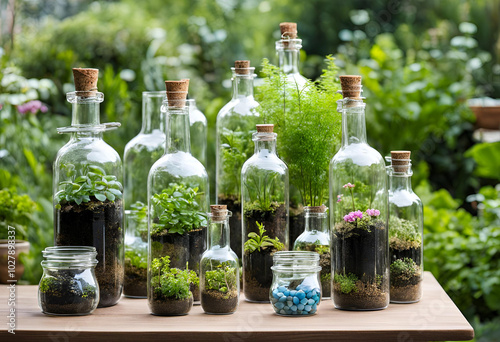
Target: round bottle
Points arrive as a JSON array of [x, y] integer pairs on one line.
[[197, 132], [88, 209], [264, 187]]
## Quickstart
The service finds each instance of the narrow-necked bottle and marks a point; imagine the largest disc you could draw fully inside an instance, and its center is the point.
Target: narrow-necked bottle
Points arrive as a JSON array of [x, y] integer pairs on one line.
[[406, 231], [235, 124], [177, 202], [220, 267], [140, 154], [197, 132], [359, 208], [288, 49], [88, 190], [264, 209]]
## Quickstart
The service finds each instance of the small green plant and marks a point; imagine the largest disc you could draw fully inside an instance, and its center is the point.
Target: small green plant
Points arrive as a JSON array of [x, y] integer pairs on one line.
[[222, 278], [175, 209], [93, 182], [403, 234], [326, 277], [171, 282], [47, 283], [137, 259], [404, 269], [257, 241], [321, 249], [139, 215], [15, 210], [346, 283], [264, 189], [88, 290]]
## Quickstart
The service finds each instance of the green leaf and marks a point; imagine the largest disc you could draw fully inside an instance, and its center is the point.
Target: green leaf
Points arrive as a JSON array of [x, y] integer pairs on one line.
[[100, 197]]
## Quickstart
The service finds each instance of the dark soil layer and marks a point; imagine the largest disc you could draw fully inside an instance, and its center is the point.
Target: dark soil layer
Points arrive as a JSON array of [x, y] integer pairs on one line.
[[216, 302], [170, 306], [406, 294], [197, 245], [367, 296], [297, 224], [413, 253], [176, 246], [97, 224], [234, 206], [274, 223], [136, 281], [325, 275], [257, 275]]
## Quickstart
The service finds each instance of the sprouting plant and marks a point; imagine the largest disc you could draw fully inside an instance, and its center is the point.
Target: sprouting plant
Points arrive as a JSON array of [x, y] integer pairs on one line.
[[403, 234], [257, 241], [136, 259], [93, 182], [176, 210], [263, 187], [346, 283], [222, 278], [171, 282], [322, 249]]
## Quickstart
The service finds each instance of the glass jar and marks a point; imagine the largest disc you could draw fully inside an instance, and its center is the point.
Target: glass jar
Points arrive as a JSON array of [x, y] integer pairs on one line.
[[197, 132], [68, 286], [235, 124], [358, 202], [316, 238], [220, 267], [88, 209], [140, 154], [406, 232], [264, 187], [296, 288], [178, 196]]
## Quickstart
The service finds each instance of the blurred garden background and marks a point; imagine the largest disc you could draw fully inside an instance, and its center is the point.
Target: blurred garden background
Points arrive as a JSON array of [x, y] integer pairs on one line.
[[421, 60]]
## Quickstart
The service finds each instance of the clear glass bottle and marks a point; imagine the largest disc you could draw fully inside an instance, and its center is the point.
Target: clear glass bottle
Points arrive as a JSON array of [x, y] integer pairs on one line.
[[316, 238], [68, 286], [264, 188], [198, 132], [220, 267], [359, 211], [178, 197], [140, 154], [296, 288], [406, 232], [88, 209], [288, 49], [235, 124]]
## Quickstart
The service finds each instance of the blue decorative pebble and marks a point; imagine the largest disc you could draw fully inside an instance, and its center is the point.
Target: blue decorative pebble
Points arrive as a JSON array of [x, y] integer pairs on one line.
[[282, 312], [296, 300], [281, 289], [286, 293], [293, 308], [286, 308], [301, 294], [303, 301], [307, 308], [280, 294], [279, 306], [283, 299], [289, 298], [300, 307], [310, 301], [289, 303], [309, 294], [293, 293], [316, 298]]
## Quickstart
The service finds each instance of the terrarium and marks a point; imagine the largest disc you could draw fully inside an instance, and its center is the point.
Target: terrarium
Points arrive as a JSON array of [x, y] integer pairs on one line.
[[177, 203], [358, 203], [197, 132], [220, 267], [88, 209], [235, 124], [316, 238], [140, 154], [405, 232], [264, 186]]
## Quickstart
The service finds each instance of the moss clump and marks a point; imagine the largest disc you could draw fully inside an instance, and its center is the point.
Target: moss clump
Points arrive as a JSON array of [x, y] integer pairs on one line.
[[345, 283], [171, 283], [405, 272], [221, 279], [403, 234]]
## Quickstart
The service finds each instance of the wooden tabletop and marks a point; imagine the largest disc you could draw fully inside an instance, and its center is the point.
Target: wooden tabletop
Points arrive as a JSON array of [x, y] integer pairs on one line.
[[435, 317]]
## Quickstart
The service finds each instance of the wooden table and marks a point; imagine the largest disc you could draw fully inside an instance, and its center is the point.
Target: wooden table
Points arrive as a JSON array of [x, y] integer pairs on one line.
[[435, 317]]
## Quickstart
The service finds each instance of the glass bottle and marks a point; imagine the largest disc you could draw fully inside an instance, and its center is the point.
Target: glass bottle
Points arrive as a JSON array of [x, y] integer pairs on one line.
[[198, 132], [264, 188], [235, 124], [316, 238], [220, 267], [140, 154], [406, 232], [177, 202], [288, 49], [359, 203], [88, 209]]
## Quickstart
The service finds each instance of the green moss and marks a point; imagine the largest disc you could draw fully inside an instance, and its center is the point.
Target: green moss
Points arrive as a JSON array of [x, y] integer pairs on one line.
[[403, 234], [171, 282], [404, 269], [222, 278], [47, 283], [347, 283]]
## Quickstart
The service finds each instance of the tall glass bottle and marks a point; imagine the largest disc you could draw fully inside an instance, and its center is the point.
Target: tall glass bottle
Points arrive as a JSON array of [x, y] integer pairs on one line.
[[406, 232], [197, 132], [140, 154], [358, 202], [316, 238], [220, 267], [235, 124], [88, 209], [178, 197], [264, 209]]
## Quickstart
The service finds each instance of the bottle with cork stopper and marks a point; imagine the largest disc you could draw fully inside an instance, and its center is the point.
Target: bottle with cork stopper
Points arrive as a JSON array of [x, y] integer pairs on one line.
[[235, 124], [88, 207], [178, 198], [219, 266], [264, 210], [288, 50], [316, 238], [406, 231], [359, 211]]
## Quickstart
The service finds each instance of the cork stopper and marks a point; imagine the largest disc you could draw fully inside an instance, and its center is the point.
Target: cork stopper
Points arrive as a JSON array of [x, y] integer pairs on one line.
[[242, 67], [86, 81], [400, 160], [319, 209], [288, 30], [177, 92], [351, 86], [265, 128], [218, 211]]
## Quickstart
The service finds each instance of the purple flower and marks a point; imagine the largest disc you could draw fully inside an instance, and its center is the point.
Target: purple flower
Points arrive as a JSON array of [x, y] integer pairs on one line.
[[372, 212], [353, 215], [358, 214], [32, 107], [349, 218], [348, 185], [339, 198]]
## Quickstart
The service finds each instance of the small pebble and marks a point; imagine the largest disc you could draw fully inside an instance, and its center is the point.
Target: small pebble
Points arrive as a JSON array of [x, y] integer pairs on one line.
[[310, 301], [307, 308], [293, 308], [296, 300], [282, 299], [281, 289], [309, 294], [286, 293], [300, 307], [303, 301], [293, 293], [289, 303], [279, 306]]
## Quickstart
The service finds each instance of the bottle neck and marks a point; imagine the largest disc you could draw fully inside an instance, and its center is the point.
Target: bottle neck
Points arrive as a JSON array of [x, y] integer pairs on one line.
[[353, 121], [242, 86], [316, 221], [152, 117], [219, 234], [265, 143], [178, 139], [85, 114], [289, 55], [400, 181]]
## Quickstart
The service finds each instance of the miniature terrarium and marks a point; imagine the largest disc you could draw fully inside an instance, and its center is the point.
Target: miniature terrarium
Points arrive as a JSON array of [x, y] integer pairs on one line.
[[68, 285], [197, 132], [219, 274], [296, 289], [316, 238], [265, 213], [235, 124], [140, 154], [88, 209], [405, 232], [178, 200], [358, 202]]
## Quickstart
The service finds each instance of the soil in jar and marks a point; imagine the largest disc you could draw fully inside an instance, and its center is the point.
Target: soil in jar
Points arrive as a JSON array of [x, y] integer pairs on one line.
[[359, 294], [257, 275], [162, 306], [234, 206], [297, 222], [175, 245], [197, 245], [216, 302], [97, 224], [274, 222], [406, 281], [136, 281]]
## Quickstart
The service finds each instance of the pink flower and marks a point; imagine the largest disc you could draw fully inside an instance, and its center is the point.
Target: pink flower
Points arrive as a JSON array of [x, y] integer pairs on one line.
[[358, 214], [349, 185], [372, 212], [353, 215], [339, 198], [349, 218], [32, 107]]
